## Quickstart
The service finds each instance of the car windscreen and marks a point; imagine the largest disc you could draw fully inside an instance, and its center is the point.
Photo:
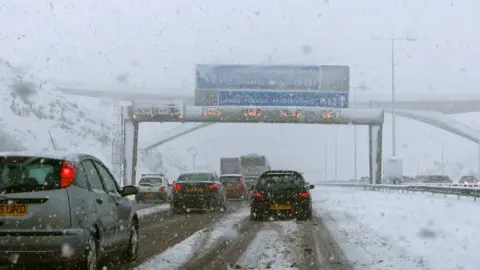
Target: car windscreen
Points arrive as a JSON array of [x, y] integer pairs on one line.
[[29, 174], [150, 181], [279, 181], [195, 177], [230, 179]]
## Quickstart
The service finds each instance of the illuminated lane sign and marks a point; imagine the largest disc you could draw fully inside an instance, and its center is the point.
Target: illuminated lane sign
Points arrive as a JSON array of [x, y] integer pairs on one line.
[[148, 111], [331, 114]]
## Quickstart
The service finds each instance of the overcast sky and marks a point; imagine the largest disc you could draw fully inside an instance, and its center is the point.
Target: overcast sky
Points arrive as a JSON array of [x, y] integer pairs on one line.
[[157, 43]]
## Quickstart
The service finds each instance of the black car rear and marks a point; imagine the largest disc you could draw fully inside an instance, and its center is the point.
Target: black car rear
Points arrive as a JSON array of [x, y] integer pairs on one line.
[[198, 191], [282, 193]]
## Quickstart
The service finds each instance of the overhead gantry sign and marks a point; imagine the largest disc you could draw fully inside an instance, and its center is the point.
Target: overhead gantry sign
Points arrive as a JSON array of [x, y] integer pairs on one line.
[[176, 112]]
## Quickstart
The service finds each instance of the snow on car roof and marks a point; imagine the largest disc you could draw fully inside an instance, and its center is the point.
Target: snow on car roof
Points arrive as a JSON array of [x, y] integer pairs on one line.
[[231, 174], [44, 154]]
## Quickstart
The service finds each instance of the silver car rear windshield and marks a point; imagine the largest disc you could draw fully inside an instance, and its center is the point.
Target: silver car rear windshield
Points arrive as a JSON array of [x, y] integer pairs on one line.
[[150, 181], [195, 177], [29, 174]]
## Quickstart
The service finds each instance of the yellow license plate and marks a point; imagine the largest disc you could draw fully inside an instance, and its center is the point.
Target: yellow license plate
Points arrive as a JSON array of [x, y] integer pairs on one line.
[[281, 207], [13, 210], [230, 188], [194, 190], [148, 195]]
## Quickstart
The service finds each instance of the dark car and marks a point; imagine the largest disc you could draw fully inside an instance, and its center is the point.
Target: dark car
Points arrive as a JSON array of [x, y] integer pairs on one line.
[[235, 186], [283, 193], [198, 191], [63, 209]]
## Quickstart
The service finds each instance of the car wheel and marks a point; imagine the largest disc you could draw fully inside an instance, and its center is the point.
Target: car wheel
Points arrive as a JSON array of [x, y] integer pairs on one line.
[[90, 261], [305, 214], [255, 216], [132, 250]]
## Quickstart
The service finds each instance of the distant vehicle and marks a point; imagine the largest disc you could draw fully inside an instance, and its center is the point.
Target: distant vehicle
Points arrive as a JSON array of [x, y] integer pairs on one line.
[[440, 179], [63, 209], [153, 188], [229, 165], [253, 165], [198, 191], [468, 180], [281, 192], [235, 186]]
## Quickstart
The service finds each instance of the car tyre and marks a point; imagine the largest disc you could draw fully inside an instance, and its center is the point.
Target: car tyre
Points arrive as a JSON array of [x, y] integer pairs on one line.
[[90, 261], [305, 214], [255, 216], [132, 249]]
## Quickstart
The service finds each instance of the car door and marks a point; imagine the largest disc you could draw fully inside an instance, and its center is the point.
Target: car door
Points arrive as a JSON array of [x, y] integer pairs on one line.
[[122, 205], [105, 209]]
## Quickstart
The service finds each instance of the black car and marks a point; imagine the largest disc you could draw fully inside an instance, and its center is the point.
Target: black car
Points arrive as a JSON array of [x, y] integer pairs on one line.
[[281, 192], [198, 191]]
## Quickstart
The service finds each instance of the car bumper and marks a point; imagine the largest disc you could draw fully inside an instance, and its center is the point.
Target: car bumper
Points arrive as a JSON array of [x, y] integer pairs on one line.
[[235, 194], [200, 202], [42, 247], [261, 208], [155, 196]]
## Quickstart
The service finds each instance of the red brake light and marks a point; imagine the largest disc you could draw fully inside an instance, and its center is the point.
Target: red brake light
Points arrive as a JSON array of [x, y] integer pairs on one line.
[[67, 174], [213, 187], [177, 187], [162, 188], [241, 179], [303, 195], [257, 195]]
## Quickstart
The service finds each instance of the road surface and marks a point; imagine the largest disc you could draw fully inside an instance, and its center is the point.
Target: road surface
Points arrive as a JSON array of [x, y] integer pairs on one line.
[[257, 245]]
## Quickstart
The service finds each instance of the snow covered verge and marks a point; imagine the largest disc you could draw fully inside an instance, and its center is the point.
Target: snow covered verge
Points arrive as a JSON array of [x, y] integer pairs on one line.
[[32, 110], [381, 230]]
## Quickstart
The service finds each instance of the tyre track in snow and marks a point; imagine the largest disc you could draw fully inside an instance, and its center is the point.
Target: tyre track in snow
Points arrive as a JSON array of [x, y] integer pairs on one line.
[[226, 251], [160, 231], [308, 245]]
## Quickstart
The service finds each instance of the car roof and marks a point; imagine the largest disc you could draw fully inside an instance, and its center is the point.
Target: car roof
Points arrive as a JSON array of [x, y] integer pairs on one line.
[[282, 172], [198, 171], [231, 174], [71, 156]]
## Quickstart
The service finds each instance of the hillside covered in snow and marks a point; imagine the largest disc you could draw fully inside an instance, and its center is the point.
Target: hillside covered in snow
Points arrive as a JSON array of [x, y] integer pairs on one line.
[[32, 110]]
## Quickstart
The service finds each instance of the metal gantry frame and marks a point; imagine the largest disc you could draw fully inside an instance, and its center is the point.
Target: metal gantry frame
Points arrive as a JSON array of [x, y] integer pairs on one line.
[[373, 118]]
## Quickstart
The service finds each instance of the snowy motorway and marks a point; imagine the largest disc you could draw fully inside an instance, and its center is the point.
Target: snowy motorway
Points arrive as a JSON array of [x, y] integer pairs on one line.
[[352, 229], [230, 241]]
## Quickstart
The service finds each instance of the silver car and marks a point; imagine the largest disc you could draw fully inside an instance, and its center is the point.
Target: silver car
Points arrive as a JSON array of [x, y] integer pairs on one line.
[[64, 209], [152, 188]]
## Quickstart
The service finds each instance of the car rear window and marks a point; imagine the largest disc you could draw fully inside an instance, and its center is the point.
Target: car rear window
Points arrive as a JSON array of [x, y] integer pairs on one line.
[[280, 180], [195, 177], [230, 179], [28, 174], [150, 181]]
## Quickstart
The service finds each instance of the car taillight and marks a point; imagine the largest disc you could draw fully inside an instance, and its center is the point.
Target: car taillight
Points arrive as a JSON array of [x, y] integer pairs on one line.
[[67, 174], [241, 179], [177, 187], [162, 188], [257, 195], [303, 195], [213, 187]]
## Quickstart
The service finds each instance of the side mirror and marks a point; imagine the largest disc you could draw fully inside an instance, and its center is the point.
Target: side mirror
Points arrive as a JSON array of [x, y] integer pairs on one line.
[[129, 190], [311, 186]]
